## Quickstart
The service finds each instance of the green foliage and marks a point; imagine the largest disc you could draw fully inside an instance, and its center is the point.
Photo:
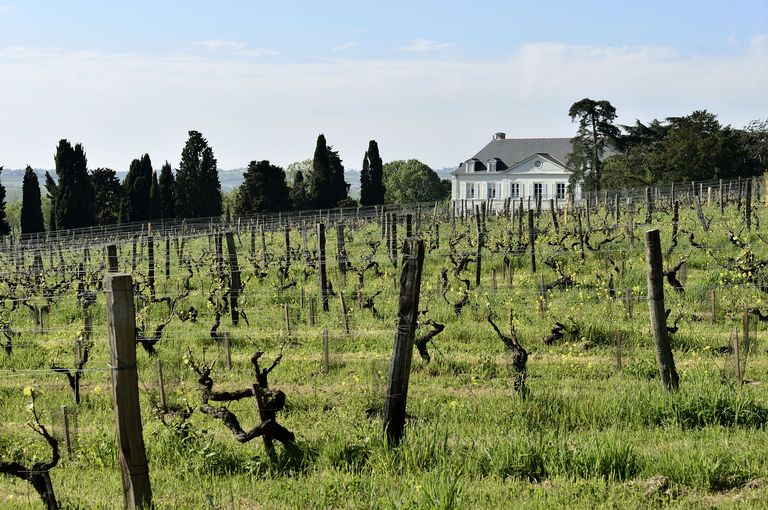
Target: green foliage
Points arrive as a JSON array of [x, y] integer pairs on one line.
[[596, 132], [372, 190], [136, 187], [167, 185], [198, 189], [299, 194], [31, 204], [263, 190], [108, 193], [326, 183], [74, 205], [410, 181]]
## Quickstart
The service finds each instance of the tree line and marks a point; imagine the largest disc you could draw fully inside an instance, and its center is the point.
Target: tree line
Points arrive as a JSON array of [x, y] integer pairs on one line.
[[695, 147], [78, 197]]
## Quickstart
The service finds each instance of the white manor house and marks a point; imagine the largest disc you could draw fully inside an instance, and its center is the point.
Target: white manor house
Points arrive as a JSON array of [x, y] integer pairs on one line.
[[516, 168]]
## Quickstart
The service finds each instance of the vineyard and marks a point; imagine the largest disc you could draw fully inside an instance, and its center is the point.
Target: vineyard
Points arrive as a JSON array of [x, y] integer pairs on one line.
[[264, 350]]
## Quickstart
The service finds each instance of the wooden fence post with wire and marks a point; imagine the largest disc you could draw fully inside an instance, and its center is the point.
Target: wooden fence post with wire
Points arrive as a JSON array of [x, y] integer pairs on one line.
[[121, 321]]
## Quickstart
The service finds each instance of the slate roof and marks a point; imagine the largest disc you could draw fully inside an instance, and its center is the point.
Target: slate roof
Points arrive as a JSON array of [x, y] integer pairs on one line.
[[512, 151]]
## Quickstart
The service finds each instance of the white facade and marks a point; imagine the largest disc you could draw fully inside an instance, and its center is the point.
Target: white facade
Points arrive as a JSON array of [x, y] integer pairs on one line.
[[537, 176]]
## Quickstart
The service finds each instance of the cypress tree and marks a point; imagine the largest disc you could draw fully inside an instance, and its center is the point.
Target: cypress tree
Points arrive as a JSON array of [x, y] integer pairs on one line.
[[263, 190], [155, 199], [339, 188], [167, 191], [31, 204], [108, 193], [198, 189], [319, 183], [365, 182], [5, 228], [376, 189], [74, 198], [136, 187], [52, 192]]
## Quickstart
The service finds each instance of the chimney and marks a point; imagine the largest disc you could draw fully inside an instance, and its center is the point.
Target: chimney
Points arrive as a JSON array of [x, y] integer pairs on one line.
[[499, 136]]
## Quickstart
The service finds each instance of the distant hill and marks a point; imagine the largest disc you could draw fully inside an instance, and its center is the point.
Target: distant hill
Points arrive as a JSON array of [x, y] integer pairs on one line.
[[230, 179]]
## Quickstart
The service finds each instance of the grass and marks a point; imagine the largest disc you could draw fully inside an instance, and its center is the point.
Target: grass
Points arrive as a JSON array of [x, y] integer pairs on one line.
[[587, 436]]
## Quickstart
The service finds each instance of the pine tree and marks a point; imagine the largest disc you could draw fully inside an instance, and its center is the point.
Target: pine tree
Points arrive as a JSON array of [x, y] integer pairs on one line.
[[136, 186], [299, 193], [155, 199], [198, 189], [167, 191], [5, 228], [108, 193], [31, 204], [319, 183], [372, 177], [74, 197], [263, 190]]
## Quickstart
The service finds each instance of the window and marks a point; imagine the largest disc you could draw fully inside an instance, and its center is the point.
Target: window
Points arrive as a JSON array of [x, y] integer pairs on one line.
[[514, 190], [491, 190], [470, 190], [537, 190], [560, 191]]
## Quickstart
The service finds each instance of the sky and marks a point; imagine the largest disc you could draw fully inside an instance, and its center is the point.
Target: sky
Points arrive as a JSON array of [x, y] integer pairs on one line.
[[431, 80]]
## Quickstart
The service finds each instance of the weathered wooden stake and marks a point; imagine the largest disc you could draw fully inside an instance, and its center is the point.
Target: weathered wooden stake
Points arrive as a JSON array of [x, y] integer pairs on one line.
[[322, 274], [121, 321], [67, 437], [326, 352], [532, 240], [400, 367], [235, 286], [664, 358]]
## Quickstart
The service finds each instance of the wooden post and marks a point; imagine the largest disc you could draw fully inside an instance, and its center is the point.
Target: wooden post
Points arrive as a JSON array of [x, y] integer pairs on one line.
[[409, 225], [554, 216], [326, 352], [167, 257], [322, 275], [227, 351], [341, 251], [235, 286], [736, 355], [618, 351], [112, 258], [748, 206], [263, 244], [713, 305], [67, 437], [479, 250], [400, 367], [532, 240], [151, 265], [121, 321], [161, 383], [287, 318], [702, 218], [581, 234], [344, 313], [666, 362]]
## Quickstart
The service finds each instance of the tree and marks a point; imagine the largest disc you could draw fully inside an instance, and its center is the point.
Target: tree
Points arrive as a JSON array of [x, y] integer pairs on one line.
[[137, 184], [198, 189], [108, 193], [167, 191], [155, 199], [303, 166], [411, 181], [74, 196], [5, 228], [372, 190], [299, 193], [319, 181], [263, 190], [596, 132], [31, 204], [339, 188], [52, 192]]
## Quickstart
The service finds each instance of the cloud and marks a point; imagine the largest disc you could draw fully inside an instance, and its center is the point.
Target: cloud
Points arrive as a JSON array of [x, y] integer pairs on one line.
[[422, 45], [233, 47], [344, 46], [434, 109], [6, 8]]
